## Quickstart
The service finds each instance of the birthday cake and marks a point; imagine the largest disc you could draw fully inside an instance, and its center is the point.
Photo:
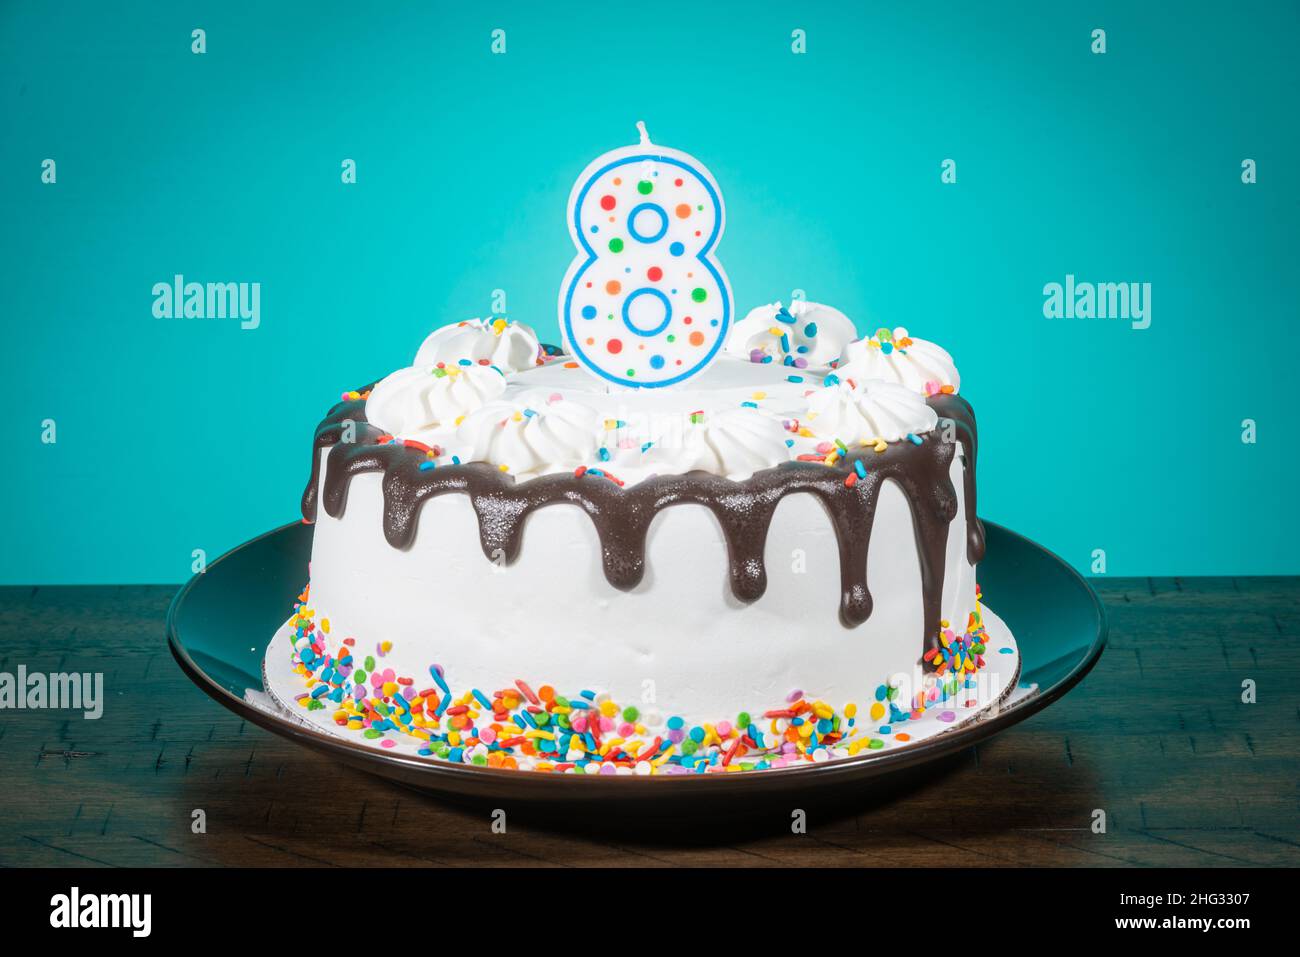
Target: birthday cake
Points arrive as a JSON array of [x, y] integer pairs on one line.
[[678, 543]]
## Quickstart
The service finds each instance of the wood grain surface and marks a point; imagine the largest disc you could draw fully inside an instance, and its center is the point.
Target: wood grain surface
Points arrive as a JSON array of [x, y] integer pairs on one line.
[[1157, 737]]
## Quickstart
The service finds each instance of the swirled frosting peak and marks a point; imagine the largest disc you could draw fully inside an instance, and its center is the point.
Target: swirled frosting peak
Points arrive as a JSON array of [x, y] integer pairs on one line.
[[532, 434], [807, 335], [867, 411], [510, 346], [896, 357], [736, 443], [418, 399]]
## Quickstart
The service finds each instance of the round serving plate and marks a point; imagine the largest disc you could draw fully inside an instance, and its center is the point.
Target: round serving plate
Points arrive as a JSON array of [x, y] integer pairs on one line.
[[219, 624]]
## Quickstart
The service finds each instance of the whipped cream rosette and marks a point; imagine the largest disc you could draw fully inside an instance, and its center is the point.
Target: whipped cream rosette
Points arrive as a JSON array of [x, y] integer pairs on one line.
[[510, 346], [806, 335], [894, 356], [863, 411], [420, 399], [531, 435], [735, 443]]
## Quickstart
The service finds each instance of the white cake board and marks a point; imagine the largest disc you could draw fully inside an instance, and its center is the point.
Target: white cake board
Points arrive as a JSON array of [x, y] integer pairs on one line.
[[999, 690]]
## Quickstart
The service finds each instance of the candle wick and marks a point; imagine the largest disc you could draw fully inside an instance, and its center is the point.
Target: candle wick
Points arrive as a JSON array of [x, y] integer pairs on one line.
[[645, 137]]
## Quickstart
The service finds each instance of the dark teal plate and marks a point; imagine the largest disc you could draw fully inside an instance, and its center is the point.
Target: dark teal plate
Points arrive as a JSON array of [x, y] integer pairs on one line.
[[221, 621]]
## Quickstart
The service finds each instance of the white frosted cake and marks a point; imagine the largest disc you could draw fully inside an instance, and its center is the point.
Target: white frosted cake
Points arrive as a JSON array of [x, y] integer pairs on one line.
[[781, 544], [680, 544]]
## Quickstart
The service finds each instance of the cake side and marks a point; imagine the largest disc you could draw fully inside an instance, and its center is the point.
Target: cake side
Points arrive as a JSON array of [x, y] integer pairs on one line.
[[679, 634]]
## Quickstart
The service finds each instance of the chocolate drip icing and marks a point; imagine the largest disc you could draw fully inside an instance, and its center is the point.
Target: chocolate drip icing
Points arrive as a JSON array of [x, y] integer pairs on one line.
[[622, 516], [958, 411]]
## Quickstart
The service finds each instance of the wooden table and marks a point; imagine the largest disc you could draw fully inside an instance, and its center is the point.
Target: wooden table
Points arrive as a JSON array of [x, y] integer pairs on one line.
[[1157, 737]]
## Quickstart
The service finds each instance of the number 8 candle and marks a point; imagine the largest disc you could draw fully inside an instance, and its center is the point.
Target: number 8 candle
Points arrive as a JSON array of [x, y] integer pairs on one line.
[[644, 304]]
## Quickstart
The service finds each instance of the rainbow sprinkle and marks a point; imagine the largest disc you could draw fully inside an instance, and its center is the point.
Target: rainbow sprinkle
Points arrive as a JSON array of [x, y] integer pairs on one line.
[[520, 728], [887, 341], [960, 653]]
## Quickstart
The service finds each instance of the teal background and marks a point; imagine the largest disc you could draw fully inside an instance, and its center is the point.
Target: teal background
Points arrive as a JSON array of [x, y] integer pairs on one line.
[[175, 435]]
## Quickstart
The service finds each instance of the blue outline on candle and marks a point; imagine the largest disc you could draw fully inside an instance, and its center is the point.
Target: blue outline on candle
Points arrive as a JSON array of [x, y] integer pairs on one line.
[[702, 256], [647, 291], [663, 223]]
